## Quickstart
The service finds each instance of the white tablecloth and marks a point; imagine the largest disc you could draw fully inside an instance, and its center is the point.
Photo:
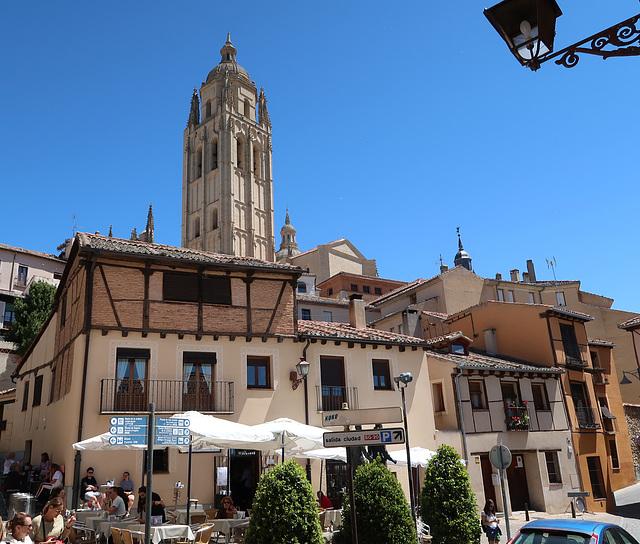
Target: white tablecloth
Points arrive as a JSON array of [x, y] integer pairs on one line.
[[227, 525], [333, 515], [104, 528], [181, 512], [82, 515], [163, 532]]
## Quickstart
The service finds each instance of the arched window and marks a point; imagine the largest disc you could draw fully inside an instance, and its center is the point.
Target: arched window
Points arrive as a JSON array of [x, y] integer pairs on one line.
[[207, 109], [247, 108], [196, 227], [199, 163], [302, 287], [256, 161], [239, 153], [214, 154], [214, 218]]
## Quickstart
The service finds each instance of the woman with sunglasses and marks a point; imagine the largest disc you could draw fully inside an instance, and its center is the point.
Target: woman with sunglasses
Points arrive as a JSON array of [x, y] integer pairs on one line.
[[18, 529], [50, 525], [226, 509]]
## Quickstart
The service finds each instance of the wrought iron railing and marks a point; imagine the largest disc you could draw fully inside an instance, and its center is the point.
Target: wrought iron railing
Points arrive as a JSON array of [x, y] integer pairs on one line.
[[331, 397], [586, 418], [126, 395], [517, 418]]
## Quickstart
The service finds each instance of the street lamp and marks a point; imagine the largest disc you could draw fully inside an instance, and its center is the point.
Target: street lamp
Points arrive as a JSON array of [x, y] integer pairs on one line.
[[401, 383], [303, 369], [529, 26], [634, 373]]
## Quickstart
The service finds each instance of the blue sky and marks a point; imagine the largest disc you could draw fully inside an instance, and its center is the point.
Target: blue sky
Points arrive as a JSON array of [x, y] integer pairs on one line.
[[393, 124]]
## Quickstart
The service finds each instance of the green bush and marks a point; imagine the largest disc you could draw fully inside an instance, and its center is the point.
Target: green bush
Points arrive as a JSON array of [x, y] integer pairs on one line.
[[30, 314], [448, 505], [383, 515], [284, 510]]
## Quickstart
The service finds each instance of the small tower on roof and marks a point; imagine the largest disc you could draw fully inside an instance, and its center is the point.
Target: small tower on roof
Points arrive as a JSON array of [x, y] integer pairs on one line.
[[288, 245], [462, 258]]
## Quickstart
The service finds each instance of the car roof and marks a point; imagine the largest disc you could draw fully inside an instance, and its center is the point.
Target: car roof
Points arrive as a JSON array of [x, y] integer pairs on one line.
[[580, 525]]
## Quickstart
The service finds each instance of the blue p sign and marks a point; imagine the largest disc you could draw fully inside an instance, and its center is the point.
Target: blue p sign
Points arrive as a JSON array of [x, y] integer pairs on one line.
[[385, 436]]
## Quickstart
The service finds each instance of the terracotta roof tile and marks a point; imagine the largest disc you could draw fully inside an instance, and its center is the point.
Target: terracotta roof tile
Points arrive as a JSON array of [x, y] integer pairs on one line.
[[34, 253], [481, 361], [437, 315], [327, 300], [447, 338], [599, 342], [144, 249], [630, 323], [344, 331]]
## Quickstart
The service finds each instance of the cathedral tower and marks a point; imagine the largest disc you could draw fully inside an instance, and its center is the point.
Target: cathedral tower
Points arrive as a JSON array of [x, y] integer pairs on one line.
[[227, 184]]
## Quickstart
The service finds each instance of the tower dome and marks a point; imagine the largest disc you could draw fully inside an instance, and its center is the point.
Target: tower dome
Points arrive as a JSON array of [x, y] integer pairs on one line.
[[228, 64], [288, 245], [462, 258]]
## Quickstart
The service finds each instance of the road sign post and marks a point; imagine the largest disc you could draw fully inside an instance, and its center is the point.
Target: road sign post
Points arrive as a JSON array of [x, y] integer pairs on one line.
[[500, 457], [363, 438]]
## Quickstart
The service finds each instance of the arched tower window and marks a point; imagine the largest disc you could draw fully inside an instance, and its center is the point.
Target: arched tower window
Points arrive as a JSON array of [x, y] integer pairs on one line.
[[302, 287], [214, 218], [199, 163], [239, 154], [247, 108], [256, 161], [207, 109], [214, 154], [196, 227]]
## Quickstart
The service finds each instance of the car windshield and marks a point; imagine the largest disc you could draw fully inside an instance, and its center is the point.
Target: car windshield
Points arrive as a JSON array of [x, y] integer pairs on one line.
[[545, 536]]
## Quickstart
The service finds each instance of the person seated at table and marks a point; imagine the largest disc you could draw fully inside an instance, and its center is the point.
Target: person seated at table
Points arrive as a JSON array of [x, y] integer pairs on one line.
[[50, 525], [127, 486], [52, 481], [226, 509], [157, 505], [41, 470], [324, 501], [115, 504], [9, 460], [18, 529], [89, 487]]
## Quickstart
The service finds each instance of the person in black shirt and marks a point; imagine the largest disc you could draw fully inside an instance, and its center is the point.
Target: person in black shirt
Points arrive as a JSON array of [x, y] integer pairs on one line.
[[157, 504], [89, 487]]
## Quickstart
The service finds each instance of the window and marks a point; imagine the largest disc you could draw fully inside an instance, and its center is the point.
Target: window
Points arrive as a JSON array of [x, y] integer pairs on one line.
[[184, 288], [302, 287], [595, 475], [570, 344], [196, 227], [477, 395], [239, 152], [438, 397], [9, 314], [22, 275], [560, 298], [57, 276], [25, 396], [330, 291], [256, 161], [366, 289], [199, 162], [214, 154], [52, 387], [327, 316], [258, 372], [511, 296], [305, 313], [37, 391], [584, 413], [553, 467], [197, 380], [458, 349], [160, 460], [595, 361], [613, 450], [354, 287], [63, 311], [501, 295], [377, 290], [540, 397], [214, 218], [247, 108], [207, 109], [381, 375], [532, 298], [131, 379], [413, 298]]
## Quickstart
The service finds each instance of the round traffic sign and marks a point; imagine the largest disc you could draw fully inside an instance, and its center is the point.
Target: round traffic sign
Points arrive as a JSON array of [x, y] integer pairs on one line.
[[500, 456]]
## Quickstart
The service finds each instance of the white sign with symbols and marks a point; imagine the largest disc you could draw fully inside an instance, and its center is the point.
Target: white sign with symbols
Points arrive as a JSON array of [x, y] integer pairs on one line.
[[363, 438], [364, 416]]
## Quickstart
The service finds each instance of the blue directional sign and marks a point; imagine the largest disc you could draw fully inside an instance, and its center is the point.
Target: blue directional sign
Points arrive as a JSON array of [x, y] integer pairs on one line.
[[172, 431], [128, 426], [128, 440]]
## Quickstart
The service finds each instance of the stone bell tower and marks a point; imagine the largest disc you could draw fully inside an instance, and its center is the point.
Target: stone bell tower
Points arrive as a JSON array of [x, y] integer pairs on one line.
[[227, 184]]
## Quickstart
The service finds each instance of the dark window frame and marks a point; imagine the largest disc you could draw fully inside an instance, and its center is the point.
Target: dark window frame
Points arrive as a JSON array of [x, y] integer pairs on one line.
[[483, 396], [161, 461], [305, 314], [553, 467], [377, 290], [354, 287], [25, 396], [540, 403], [254, 363], [366, 289], [381, 375], [37, 390]]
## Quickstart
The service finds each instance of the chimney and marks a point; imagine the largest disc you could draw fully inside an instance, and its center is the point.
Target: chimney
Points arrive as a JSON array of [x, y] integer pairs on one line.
[[498, 276], [490, 341], [356, 312], [525, 277], [531, 270], [515, 275], [443, 268], [410, 322]]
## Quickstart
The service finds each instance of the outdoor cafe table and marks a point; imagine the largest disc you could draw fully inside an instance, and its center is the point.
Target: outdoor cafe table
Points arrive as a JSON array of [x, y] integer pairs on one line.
[[104, 528], [181, 512], [226, 526], [162, 532], [83, 515], [334, 516]]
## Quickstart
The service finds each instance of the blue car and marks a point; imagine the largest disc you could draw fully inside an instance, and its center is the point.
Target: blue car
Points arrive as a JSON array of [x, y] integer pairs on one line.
[[571, 531]]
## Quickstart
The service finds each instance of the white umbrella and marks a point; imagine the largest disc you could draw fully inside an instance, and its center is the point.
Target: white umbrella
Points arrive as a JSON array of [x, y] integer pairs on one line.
[[419, 456], [335, 454], [292, 437], [101, 442]]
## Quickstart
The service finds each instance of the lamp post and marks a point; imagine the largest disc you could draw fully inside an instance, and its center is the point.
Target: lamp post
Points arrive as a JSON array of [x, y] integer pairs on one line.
[[302, 369], [401, 383], [528, 27], [634, 373]]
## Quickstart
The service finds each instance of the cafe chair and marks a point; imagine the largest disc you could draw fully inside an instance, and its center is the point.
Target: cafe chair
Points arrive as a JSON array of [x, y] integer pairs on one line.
[[211, 512], [81, 534], [424, 532], [198, 518], [126, 536], [115, 534]]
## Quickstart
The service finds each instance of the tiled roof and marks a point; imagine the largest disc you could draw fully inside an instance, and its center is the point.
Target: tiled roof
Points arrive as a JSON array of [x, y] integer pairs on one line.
[[630, 323], [482, 361], [539, 282], [316, 248], [564, 311], [598, 342], [546, 307], [31, 252], [362, 276], [344, 331], [144, 249], [401, 289], [326, 300], [437, 315], [449, 337]]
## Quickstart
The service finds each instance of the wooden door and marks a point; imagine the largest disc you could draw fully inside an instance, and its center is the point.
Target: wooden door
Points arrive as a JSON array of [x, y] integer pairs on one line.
[[517, 478]]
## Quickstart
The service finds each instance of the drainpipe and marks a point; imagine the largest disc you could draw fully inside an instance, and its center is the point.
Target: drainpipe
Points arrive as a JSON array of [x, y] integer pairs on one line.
[[464, 432], [306, 410], [87, 328]]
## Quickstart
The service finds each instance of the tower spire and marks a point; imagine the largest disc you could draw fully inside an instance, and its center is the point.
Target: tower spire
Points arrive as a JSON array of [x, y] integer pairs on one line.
[[263, 114], [149, 228], [194, 112], [462, 257]]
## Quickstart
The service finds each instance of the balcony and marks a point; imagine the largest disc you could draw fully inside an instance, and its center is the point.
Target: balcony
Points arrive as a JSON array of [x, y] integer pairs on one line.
[[517, 418], [331, 397], [586, 418], [575, 362], [133, 396]]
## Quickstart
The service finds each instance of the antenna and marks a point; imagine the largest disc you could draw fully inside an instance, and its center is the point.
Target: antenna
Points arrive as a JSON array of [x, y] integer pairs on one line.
[[75, 227], [551, 263]]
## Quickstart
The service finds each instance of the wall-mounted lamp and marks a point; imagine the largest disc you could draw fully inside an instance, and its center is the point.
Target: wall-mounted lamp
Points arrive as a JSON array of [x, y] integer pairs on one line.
[[634, 373], [302, 369]]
